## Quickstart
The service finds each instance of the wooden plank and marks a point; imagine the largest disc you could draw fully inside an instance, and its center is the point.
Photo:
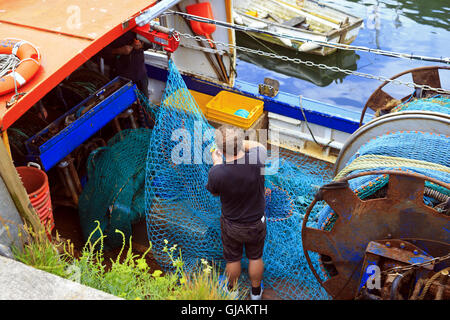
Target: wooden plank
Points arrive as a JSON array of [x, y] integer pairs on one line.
[[18, 193]]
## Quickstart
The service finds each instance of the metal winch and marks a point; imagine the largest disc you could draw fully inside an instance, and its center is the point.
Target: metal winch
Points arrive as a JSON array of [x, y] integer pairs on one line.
[[394, 241]]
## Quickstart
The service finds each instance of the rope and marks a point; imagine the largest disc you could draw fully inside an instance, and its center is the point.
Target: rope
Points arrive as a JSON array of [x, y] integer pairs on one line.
[[329, 44], [8, 62], [430, 282], [12, 67], [371, 161]]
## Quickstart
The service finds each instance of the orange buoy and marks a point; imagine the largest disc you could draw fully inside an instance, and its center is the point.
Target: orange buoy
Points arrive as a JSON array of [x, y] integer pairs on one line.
[[36, 184], [204, 10], [30, 61]]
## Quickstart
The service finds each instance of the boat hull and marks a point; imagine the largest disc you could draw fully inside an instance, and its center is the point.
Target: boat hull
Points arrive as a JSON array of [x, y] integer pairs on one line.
[[304, 47]]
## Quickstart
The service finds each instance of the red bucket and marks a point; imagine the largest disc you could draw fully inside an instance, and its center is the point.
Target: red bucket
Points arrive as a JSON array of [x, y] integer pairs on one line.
[[43, 209], [35, 182]]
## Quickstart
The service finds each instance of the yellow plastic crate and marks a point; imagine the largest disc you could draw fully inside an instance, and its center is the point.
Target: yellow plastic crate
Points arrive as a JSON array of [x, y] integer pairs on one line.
[[224, 106], [202, 100]]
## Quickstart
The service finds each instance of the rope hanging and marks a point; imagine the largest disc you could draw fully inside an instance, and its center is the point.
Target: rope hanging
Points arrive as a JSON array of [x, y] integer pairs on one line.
[[8, 62]]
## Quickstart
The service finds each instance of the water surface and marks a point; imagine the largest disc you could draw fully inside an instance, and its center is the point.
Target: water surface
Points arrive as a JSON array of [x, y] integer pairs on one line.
[[420, 27]]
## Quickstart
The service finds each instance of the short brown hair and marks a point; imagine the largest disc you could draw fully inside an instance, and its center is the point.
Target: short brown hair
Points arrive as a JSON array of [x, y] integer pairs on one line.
[[229, 139]]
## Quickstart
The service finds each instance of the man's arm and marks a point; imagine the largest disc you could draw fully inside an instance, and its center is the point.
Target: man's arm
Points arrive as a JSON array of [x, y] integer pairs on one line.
[[124, 50], [258, 153], [123, 45]]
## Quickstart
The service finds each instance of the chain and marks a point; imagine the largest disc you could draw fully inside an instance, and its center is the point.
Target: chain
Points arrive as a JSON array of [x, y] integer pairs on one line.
[[341, 46], [417, 265], [318, 65]]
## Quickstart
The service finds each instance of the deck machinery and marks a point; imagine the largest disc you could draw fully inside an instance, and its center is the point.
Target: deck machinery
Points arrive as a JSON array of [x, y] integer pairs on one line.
[[390, 245]]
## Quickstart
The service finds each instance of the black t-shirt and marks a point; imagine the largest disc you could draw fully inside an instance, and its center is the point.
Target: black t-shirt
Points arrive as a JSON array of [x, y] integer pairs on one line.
[[240, 185]]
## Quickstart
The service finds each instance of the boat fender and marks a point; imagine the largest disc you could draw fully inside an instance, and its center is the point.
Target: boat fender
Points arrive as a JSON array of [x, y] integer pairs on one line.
[[237, 19], [309, 46], [286, 42]]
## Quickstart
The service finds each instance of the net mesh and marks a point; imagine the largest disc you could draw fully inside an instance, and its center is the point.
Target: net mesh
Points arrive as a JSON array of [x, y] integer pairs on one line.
[[160, 175], [114, 193], [435, 104]]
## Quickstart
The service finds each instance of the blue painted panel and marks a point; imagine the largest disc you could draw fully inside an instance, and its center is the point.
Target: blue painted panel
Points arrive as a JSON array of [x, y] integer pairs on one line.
[[64, 142]]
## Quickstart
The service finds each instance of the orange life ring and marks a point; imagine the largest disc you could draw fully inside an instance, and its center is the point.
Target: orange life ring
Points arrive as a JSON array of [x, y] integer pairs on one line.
[[30, 61]]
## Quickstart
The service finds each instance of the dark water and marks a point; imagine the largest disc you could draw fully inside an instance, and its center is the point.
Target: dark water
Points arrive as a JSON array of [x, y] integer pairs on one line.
[[421, 27]]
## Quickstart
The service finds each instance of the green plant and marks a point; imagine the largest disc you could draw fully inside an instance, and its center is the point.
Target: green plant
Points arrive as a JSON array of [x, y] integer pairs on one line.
[[129, 277], [43, 255], [203, 284]]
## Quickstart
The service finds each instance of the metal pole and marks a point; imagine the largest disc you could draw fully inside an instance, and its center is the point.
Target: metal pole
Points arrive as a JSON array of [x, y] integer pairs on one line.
[[116, 124], [64, 169], [74, 175], [130, 115], [155, 11]]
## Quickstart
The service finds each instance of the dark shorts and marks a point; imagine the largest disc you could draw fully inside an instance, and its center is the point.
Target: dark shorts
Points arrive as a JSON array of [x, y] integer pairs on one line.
[[236, 237]]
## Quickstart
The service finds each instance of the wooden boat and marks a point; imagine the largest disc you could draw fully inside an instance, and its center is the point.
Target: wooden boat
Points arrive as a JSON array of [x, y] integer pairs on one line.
[[306, 19]]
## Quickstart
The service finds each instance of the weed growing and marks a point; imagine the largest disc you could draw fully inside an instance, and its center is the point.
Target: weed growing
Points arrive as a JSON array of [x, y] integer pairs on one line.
[[129, 276]]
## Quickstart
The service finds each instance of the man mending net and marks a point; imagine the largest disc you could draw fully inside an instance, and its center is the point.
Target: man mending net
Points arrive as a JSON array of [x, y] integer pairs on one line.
[[239, 182]]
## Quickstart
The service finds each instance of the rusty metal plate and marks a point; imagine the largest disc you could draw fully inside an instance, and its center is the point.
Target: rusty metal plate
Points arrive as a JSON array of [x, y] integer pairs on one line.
[[399, 250], [427, 76], [401, 214]]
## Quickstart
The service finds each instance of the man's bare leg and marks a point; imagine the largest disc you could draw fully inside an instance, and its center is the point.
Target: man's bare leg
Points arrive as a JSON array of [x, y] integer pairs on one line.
[[255, 271], [233, 271]]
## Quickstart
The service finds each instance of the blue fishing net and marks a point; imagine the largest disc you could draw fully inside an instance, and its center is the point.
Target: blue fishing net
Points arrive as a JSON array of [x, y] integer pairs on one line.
[[179, 210], [160, 175], [435, 104]]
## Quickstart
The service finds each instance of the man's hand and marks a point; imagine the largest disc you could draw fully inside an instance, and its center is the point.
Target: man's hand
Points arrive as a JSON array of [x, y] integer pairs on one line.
[[125, 50], [137, 44], [216, 157]]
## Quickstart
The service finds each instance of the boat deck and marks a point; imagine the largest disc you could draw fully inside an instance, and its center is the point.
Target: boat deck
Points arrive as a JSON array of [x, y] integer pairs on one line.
[[67, 34]]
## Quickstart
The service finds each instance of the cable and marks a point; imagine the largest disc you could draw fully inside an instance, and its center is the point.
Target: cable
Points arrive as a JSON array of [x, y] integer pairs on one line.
[[319, 65], [430, 282], [310, 131], [15, 66], [342, 46]]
